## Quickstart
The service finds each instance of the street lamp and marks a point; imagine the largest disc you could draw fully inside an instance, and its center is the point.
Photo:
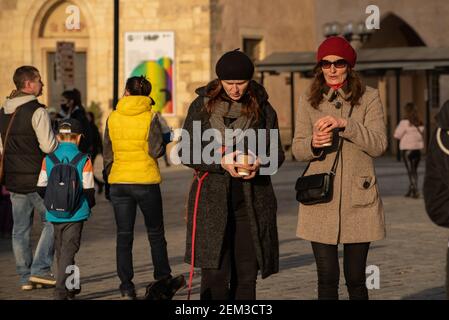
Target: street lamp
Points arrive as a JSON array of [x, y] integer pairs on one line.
[[332, 29]]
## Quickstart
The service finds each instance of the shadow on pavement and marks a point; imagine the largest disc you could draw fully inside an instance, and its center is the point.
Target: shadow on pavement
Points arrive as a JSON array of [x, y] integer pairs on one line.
[[438, 293]]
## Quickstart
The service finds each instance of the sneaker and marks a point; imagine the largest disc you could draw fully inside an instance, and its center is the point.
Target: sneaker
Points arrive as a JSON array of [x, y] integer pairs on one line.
[[45, 280], [164, 289], [27, 286]]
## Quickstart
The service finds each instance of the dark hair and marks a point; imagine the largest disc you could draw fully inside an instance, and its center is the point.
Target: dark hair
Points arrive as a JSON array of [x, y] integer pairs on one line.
[[73, 95], [411, 114], [138, 86], [215, 92], [92, 115], [356, 87], [23, 74]]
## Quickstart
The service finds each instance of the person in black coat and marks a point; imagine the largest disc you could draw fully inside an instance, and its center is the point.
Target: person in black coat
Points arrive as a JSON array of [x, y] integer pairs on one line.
[[232, 229], [436, 179], [72, 108]]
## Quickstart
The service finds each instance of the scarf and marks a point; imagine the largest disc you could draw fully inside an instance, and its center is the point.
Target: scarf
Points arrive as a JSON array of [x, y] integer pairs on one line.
[[231, 110]]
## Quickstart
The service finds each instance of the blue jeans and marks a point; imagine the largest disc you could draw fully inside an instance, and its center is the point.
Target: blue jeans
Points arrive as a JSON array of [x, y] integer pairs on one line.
[[125, 199], [23, 206]]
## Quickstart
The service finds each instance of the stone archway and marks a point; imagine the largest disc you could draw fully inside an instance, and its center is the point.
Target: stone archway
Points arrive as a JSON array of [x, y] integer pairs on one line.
[[45, 26], [396, 32]]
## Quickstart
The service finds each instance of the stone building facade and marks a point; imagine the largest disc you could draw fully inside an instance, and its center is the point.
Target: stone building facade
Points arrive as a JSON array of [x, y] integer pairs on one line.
[[204, 29]]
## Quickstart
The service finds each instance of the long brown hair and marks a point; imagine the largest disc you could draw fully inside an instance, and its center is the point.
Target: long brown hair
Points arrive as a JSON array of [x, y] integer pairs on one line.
[[411, 114], [216, 92], [356, 87]]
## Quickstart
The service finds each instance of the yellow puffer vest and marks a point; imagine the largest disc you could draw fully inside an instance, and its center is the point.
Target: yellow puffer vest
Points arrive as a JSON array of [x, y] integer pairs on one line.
[[129, 127]]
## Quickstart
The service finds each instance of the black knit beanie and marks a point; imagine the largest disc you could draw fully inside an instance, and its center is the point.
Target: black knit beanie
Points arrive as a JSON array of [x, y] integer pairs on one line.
[[234, 65]]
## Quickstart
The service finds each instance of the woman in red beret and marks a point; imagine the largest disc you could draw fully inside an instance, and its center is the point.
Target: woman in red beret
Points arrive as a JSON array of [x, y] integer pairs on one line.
[[340, 113]]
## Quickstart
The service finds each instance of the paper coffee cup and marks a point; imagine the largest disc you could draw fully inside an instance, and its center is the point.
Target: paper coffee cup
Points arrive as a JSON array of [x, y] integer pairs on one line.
[[243, 159]]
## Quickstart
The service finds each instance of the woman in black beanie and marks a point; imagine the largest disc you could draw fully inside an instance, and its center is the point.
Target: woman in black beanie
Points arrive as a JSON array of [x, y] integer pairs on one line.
[[231, 219]]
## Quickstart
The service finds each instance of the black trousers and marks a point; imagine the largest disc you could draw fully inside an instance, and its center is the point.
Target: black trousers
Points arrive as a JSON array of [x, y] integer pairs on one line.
[[236, 277], [328, 269], [125, 199], [411, 161], [67, 243]]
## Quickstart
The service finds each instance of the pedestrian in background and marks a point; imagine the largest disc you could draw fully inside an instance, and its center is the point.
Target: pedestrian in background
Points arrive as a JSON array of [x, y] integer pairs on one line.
[[133, 142], [340, 112], [410, 132], [72, 108], [96, 147], [29, 138]]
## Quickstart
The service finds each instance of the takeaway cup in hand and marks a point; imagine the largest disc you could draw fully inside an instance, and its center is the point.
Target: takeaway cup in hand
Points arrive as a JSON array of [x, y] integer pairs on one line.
[[245, 159]]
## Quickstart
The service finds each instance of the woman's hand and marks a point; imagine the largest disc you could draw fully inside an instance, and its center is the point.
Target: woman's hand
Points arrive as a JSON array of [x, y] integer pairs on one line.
[[320, 138], [253, 170], [322, 130], [230, 164], [329, 123]]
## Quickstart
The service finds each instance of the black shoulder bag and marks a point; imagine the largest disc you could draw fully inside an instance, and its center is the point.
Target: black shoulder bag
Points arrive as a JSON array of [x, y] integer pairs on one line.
[[318, 188]]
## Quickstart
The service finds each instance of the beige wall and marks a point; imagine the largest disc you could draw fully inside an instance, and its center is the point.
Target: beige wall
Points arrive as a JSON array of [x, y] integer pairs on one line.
[[284, 25], [424, 17], [188, 19]]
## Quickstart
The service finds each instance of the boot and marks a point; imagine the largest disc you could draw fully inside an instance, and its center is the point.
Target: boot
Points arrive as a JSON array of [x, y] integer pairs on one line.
[[409, 192], [415, 193], [164, 289]]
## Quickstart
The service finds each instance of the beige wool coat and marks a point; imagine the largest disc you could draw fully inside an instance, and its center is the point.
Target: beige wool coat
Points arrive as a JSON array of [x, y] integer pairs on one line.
[[355, 213]]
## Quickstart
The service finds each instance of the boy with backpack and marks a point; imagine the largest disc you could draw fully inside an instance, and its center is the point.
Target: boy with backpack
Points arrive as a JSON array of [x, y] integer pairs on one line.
[[66, 183]]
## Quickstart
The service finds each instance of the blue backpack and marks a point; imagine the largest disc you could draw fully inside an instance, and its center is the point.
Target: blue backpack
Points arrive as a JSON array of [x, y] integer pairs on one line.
[[64, 188]]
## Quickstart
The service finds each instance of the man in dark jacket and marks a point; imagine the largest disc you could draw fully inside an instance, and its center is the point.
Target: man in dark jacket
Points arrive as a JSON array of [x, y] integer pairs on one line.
[[29, 138], [436, 180]]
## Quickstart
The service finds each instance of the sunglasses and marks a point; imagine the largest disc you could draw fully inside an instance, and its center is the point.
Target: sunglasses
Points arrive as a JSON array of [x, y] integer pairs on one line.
[[339, 64]]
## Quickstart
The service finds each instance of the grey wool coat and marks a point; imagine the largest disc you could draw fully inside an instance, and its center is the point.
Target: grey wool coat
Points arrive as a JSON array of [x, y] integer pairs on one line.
[[259, 197], [355, 213]]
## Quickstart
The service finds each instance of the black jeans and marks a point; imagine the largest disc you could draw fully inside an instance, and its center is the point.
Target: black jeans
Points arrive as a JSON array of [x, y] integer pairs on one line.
[[411, 160], [328, 269], [236, 277], [125, 199], [67, 244]]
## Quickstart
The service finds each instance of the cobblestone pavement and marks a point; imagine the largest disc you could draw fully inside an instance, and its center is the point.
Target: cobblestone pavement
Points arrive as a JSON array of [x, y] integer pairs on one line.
[[411, 259]]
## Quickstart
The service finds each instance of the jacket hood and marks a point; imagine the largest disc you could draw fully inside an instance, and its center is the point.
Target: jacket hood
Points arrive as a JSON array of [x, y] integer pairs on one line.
[[11, 104], [443, 116], [259, 90], [134, 105]]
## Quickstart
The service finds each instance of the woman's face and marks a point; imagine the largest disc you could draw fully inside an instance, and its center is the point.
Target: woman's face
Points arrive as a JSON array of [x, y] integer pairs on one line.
[[336, 73], [66, 104], [235, 89]]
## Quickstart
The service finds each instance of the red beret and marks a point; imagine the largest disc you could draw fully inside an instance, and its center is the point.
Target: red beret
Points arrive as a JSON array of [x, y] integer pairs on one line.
[[337, 46]]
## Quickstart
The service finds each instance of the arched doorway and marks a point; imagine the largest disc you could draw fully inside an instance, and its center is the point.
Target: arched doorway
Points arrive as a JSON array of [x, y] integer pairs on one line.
[[411, 85], [48, 29]]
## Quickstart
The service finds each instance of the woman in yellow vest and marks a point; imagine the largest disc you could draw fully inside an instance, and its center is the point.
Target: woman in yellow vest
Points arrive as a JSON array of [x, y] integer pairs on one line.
[[132, 143]]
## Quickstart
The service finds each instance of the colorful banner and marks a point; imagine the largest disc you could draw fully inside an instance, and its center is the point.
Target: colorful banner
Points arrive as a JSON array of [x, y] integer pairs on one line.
[[152, 55]]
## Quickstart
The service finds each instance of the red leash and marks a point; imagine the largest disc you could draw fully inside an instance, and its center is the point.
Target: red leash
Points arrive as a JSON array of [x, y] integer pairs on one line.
[[195, 211]]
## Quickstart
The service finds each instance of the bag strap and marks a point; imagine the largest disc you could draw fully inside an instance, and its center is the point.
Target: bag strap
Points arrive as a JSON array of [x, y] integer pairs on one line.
[[2, 154], [337, 156], [54, 158], [77, 158]]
